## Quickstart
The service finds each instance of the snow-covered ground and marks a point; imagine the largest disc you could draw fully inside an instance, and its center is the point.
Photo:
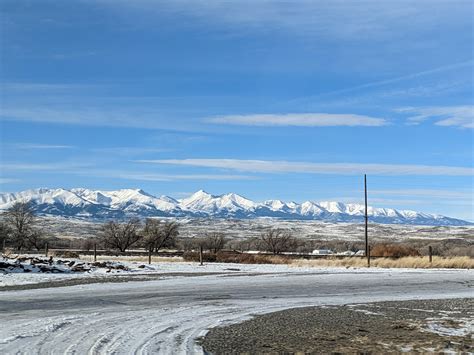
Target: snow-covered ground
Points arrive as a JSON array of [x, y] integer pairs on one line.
[[167, 315], [15, 277]]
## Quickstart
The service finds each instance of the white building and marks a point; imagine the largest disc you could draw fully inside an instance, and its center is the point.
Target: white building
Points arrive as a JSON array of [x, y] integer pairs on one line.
[[323, 252]]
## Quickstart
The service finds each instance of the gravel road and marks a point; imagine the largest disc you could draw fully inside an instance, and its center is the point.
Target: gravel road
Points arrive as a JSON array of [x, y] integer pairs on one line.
[[166, 316]]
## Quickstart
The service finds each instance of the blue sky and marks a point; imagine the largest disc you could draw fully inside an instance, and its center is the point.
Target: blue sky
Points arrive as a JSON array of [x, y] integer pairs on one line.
[[293, 100]]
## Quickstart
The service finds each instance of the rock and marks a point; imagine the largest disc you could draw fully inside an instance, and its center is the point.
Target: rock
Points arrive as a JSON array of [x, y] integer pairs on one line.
[[43, 268], [99, 264]]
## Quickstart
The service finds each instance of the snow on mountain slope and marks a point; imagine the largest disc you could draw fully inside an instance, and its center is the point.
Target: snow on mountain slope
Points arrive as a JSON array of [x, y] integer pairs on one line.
[[43, 196], [309, 208], [81, 202], [127, 198], [201, 201]]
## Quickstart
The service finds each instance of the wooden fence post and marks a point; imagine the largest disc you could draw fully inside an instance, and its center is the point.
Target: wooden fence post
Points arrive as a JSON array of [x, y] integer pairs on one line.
[[430, 250], [149, 256], [200, 255], [95, 252], [368, 256], [46, 250]]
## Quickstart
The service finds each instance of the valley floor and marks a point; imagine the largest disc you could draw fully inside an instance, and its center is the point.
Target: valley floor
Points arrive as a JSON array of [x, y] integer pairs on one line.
[[170, 314]]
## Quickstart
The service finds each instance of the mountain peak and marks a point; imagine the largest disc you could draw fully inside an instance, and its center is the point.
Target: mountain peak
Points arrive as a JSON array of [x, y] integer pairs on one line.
[[202, 192]]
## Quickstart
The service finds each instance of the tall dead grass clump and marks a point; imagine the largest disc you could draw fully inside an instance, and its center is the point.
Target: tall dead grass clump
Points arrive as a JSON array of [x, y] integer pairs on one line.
[[455, 262], [330, 262], [393, 250], [226, 257]]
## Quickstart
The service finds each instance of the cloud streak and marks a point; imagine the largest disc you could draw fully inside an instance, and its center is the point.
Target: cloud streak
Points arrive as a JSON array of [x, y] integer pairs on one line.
[[300, 119], [266, 166], [428, 193], [378, 83], [46, 167], [96, 117], [92, 170], [4, 181], [334, 19], [190, 177], [456, 116], [27, 146]]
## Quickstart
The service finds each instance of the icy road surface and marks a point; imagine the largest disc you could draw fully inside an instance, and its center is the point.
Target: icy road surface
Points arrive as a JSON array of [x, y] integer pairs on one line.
[[167, 316]]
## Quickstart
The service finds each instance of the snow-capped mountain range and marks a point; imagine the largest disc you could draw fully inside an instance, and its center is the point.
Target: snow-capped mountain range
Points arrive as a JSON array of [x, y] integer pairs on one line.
[[94, 204]]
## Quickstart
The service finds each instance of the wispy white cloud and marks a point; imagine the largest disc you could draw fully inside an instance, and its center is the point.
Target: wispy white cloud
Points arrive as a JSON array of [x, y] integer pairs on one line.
[[93, 170], [300, 119], [4, 181], [130, 151], [458, 116], [98, 117], [39, 146], [266, 166], [46, 167], [390, 81], [173, 177], [25, 87], [428, 193], [334, 19]]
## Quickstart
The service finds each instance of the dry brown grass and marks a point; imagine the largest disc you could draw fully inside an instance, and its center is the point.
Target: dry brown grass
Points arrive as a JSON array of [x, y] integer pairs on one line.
[[455, 262], [225, 257], [393, 250]]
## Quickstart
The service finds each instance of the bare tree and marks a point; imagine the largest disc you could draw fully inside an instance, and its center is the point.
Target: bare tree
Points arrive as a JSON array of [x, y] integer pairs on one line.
[[159, 235], [170, 231], [5, 232], [121, 236], [20, 219], [277, 241], [36, 239], [244, 244], [88, 244], [214, 242]]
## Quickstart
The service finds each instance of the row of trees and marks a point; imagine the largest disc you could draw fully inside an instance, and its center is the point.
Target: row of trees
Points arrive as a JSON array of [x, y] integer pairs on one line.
[[154, 236]]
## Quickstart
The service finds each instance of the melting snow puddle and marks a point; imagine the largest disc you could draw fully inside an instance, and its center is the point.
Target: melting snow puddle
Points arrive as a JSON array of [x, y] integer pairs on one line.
[[451, 327]]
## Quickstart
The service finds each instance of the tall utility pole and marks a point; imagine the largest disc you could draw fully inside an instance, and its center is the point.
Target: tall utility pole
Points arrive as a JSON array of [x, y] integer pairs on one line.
[[366, 220]]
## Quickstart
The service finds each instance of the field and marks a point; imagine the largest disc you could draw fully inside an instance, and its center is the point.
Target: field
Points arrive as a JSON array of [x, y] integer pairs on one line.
[[248, 228]]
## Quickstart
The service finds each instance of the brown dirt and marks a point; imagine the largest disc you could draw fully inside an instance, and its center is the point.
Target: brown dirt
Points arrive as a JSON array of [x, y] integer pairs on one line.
[[376, 328]]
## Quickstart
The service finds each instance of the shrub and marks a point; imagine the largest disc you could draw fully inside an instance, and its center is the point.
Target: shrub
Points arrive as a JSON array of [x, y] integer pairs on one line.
[[239, 258], [66, 254], [194, 256], [393, 250], [252, 259]]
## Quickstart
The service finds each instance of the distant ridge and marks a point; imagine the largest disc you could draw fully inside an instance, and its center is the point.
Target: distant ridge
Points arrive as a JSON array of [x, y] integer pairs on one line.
[[98, 204]]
